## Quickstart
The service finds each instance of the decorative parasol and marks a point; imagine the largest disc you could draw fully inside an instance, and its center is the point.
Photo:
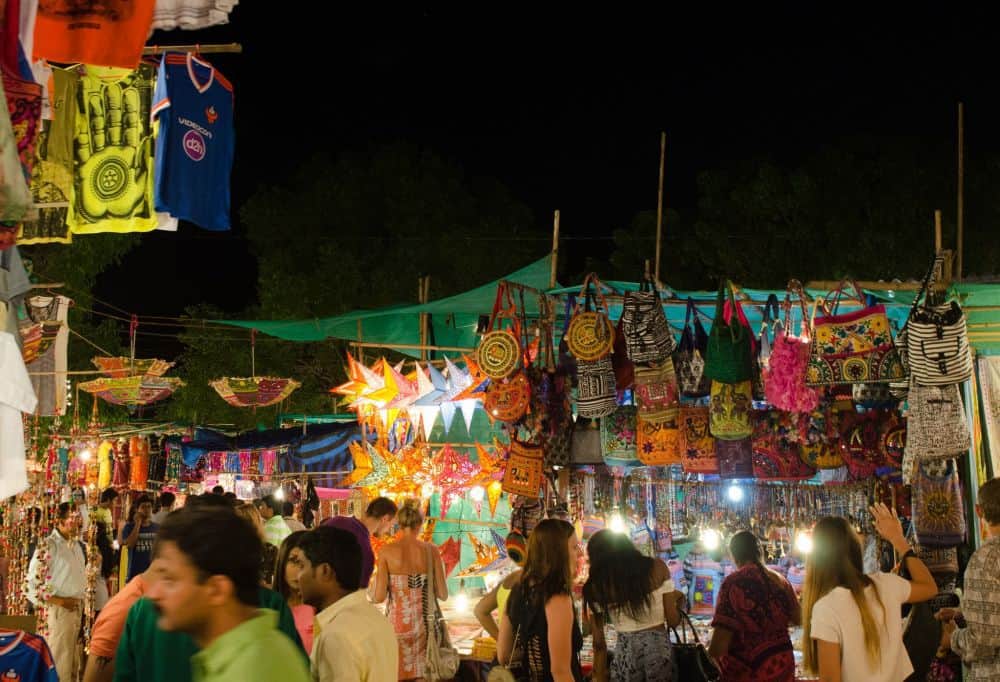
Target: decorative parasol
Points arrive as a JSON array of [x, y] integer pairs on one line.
[[254, 391], [121, 367], [132, 391]]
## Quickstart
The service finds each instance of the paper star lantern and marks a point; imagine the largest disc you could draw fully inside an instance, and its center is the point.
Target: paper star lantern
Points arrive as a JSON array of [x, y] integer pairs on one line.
[[478, 382], [451, 552]]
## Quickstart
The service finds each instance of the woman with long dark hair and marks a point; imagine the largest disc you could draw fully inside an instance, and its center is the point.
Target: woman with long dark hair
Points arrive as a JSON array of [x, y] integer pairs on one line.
[[852, 627], [634, 593], [286, 583], [756, 606], [539, 637]]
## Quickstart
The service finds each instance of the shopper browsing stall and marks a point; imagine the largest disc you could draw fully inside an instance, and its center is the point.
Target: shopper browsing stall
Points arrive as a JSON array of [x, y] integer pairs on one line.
[[633, 593], [138, 534], [755, 609], [852, 628]]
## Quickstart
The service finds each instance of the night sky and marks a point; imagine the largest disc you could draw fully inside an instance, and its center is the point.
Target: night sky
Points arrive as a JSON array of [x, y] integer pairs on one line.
[[565, 110]]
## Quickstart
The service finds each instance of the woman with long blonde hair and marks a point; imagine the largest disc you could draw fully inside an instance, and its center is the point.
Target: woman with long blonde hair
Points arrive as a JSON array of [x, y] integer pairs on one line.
[[852, 626]]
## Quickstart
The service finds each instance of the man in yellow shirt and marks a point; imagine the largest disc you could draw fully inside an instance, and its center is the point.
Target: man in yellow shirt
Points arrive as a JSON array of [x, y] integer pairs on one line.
[[206, 568], [352, 641]]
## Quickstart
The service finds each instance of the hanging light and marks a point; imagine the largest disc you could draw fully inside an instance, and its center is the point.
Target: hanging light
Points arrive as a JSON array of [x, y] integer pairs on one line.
[[710, 539], [427, 490], [84, 455], [462, 599], [616, 524], [804, 542], [279, 494], [735, 493], [477, 493]]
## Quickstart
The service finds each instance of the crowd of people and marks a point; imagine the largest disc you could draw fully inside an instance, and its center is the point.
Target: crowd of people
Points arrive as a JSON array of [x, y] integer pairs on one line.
[[220, 590]]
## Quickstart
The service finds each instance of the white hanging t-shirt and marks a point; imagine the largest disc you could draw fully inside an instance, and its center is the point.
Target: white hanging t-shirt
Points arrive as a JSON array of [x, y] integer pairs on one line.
[[191, 14], [16, 396], [835, 618]]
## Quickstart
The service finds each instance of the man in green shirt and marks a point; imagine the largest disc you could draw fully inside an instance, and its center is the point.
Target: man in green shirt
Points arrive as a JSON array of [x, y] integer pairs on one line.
[[148, 654], [206, 567]]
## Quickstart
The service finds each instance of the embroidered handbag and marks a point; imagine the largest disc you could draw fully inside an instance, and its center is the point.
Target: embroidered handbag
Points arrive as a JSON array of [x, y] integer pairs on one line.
[[785, 377], [852, 348], [507, 399], [729, 354], [618, 437], [590, 334], [735, 457], [938, 512], [657, 443], [647, 335], [595, 396], [697, 447], [873, 395], [523, 475], [731, 310], [689, 359], [815, 444], [776, 455], [656, 392], [936, 425], [729, 410], [859, 444], [892, 439], [499, 352]]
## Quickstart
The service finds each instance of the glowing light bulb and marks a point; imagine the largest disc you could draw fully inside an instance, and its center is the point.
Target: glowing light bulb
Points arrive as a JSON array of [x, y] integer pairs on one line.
[[804, 542], [462, 602], [616, 524], [477, 493], [279, 494], [84, 455], [710, 539], [427, 490], [734, 493]]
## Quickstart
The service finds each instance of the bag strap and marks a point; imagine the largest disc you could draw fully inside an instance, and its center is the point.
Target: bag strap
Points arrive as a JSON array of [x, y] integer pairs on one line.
[[929, 281]]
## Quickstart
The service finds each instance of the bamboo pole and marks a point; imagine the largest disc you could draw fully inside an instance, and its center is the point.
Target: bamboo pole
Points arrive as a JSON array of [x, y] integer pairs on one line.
[[961, 192], [427, 316], [152, 50], [423, 327], [412, 346], [659, 205], [555, 251], [937, 231]]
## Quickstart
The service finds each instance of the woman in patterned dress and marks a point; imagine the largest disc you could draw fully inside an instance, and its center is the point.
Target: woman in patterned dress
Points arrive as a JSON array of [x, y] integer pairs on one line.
[[755, 609], [412, 588]]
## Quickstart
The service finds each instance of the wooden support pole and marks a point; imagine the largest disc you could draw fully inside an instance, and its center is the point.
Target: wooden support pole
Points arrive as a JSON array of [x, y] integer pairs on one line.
[[961, 192], [427, 317], [423, 327], [937, 231], [413, 346], [659, 206], [555, 251], [151, 50]]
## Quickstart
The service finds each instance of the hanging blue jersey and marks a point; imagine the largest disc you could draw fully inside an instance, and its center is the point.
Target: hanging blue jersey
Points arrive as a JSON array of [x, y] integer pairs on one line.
[[194, 148], [25, 658]]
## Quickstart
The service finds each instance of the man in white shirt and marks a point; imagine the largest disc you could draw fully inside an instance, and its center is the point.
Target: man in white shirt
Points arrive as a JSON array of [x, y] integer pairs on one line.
[[352, 641], [64, 590], [288, 514], [164, 505]]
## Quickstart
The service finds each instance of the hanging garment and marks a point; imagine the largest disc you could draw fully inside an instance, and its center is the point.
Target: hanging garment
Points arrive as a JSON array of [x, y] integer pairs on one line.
[[25, 657], [194, 148], [108, 33], [16, 396], [48, 369], [52, 176], [24, 103], [14, 284], [15, 197], [191, 15], [113, 173]]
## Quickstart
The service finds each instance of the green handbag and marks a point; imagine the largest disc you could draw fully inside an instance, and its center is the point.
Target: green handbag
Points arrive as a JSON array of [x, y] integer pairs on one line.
[[729, 356]]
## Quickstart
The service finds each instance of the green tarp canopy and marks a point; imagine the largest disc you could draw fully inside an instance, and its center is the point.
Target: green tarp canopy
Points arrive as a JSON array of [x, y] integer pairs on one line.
[[453, 320]]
